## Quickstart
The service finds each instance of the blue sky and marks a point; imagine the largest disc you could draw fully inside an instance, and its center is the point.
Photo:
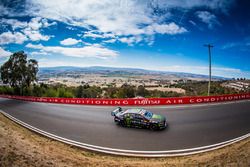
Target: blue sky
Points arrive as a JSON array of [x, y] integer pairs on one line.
[[165, 35]]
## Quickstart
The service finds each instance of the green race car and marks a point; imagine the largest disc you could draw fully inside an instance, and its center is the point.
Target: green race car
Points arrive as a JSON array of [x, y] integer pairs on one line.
[[140, 118]]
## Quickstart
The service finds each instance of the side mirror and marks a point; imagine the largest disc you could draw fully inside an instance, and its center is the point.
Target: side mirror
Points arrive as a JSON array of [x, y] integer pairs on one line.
[[119, 109]]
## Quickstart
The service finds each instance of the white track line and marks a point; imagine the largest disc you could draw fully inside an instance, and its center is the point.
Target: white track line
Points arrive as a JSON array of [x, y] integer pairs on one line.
[[134, 153]]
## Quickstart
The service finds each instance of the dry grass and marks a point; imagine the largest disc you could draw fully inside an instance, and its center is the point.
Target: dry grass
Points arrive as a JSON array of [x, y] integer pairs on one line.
[[21, 147], [177, 90]]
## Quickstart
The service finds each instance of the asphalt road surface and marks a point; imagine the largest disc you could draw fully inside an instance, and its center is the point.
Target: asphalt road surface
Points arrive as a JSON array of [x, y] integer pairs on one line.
[[189, 126]]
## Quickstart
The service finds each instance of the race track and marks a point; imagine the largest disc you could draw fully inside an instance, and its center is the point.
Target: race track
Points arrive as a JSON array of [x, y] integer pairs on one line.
[[189, 126]]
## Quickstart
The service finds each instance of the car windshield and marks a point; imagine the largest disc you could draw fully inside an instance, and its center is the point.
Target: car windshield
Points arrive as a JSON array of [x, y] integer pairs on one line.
[[148, 114]]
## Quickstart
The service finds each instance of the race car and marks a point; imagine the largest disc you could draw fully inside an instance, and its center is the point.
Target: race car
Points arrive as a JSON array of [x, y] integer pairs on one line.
[[140, 118]]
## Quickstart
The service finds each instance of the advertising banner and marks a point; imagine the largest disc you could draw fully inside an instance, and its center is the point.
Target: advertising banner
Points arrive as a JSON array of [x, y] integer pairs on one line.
[[134, 101]]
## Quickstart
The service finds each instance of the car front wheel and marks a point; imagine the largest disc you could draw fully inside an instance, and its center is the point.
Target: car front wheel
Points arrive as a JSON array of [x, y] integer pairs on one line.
[[122, 123], [153, 127]]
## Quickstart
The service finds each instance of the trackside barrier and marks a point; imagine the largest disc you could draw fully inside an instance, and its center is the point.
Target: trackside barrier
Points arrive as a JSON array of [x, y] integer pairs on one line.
[[134, 101]]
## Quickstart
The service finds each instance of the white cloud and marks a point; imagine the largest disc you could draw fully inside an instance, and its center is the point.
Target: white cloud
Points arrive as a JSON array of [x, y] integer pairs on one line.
[[92, 35], [35, 35], [9, 37], [97, 34], [131, 40], [30, 45], [182, 68], [121, 17], [71, 28], [31, 29], [108, 19], [242, 45], [39, 53], [117, 19], [222, 5], [69, 41], [14, 23], [216, 71], [110, 41], [170, 28], [230, 45], [128, 40], [192, 22], [208, 18], [47, 24], [35, 23], [4, 53], [94, 50]]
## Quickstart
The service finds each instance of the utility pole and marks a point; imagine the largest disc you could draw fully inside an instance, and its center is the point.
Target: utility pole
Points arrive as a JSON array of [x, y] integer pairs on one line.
[[209, 58]]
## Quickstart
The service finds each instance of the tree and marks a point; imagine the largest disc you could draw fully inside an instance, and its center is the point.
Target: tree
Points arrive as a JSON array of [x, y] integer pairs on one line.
[[126, 91], [32, 69], [92, 92], [141, 91], [19, 72], [39, 91], [62, 92], [79, 91], [51, 93], [110, 91]]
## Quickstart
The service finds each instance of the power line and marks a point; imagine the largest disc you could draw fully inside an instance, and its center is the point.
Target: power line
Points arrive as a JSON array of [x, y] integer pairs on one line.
[[209, 46]]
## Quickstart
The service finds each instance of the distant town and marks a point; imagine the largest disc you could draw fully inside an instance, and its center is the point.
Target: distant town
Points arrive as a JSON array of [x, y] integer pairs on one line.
[[104, 77], [107, 82]]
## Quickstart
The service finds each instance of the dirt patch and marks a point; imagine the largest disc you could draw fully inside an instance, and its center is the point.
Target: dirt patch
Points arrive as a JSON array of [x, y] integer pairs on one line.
[[21, 147]]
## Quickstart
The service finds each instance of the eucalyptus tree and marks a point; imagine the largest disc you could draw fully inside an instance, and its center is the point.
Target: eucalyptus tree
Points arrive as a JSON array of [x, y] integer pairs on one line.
[[19, 72]]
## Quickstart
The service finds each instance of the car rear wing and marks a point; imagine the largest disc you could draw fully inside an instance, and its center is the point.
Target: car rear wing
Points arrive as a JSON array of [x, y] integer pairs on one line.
[[119, 109]]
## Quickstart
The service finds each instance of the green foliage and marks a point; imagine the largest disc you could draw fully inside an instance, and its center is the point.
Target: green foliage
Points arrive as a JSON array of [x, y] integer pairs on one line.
[[62, 92], [196, 88], [78, 92], [51, 93], [68, 94], [87, 91], [158, 93], [27, 91], [19, 72], [126, 91], [110, 92], [31, 71], [6, 90], [141, 91], [38, 91]]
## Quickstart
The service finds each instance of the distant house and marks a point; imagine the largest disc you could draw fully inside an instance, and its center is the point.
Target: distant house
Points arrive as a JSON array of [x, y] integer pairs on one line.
[[238, 85]]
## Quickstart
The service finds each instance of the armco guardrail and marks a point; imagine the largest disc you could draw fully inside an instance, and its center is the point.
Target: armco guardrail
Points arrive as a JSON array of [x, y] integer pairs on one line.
[[134, 101]]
